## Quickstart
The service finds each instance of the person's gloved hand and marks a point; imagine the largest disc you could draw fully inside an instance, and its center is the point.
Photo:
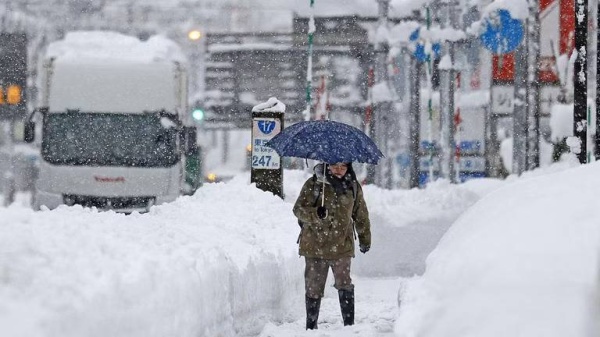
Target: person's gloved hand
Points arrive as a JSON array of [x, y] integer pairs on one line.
[[364, 248], [322, 212]]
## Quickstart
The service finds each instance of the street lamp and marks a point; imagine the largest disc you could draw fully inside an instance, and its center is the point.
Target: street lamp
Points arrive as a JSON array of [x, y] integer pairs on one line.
[[194, 35]]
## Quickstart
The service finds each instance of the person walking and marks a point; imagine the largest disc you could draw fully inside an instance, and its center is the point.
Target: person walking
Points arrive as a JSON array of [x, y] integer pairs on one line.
[[332, 212]]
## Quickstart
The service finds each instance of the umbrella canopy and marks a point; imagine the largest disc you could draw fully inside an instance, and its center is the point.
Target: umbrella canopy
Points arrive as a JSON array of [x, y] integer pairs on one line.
[[327, 141]]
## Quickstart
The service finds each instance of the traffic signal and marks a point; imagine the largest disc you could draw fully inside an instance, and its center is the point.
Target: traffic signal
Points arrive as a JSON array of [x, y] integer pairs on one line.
[[13, 94], [198, 114]]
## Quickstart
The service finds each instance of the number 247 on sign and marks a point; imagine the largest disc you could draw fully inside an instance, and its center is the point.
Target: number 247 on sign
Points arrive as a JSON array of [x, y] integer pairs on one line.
[[261, 161]]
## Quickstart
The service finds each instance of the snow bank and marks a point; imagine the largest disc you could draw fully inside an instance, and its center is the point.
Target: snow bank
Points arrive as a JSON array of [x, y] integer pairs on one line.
[[212, 264], [221, 262], [224, 261], [522, 262]]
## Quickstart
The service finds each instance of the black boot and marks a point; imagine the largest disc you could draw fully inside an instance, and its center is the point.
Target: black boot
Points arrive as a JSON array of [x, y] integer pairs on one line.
[[347, 306], [312, 312]]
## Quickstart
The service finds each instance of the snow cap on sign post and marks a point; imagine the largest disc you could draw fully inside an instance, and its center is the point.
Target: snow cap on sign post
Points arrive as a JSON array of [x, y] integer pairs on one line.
[[423, 46], [272, 105], [518, 9], [445, 63]]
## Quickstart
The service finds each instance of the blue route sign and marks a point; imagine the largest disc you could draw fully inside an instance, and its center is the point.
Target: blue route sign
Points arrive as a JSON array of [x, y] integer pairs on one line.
[[502, 33], [422, 56], [419, 52], [266, 126]]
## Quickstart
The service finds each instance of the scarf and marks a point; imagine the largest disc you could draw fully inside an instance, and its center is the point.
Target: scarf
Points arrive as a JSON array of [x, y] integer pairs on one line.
[[340, 185]]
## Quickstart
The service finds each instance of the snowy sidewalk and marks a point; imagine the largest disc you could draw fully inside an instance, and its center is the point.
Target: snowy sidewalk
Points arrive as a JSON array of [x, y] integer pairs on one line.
[[376, 311]]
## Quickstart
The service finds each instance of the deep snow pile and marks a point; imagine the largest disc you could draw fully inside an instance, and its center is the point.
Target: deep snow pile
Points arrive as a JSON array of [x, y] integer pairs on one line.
[[222, 262], [521, 262], [196, 266]]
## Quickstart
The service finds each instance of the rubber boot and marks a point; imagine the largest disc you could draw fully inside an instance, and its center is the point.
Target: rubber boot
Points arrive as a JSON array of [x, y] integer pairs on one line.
[[347, 305], [312, 312]]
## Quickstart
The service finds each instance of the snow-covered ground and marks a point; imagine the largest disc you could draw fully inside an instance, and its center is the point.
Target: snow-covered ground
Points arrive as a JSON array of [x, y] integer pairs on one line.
[[521, 262], [224, 263]]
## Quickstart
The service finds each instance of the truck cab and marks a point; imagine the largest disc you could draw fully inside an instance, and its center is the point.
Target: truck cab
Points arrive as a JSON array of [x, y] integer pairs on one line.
[[115, 129]]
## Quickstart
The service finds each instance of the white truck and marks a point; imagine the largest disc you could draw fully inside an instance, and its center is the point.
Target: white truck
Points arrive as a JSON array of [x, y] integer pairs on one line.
[[116, 133]]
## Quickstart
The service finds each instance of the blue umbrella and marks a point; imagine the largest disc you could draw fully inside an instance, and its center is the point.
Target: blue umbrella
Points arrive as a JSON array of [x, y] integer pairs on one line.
[[327, 141]]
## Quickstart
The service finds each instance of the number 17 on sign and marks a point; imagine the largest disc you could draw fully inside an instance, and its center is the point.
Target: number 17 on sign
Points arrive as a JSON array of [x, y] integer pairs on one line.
[[262, 131]]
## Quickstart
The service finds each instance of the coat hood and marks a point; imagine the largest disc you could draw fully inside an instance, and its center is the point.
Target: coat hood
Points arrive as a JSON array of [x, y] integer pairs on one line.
[[320, 172]]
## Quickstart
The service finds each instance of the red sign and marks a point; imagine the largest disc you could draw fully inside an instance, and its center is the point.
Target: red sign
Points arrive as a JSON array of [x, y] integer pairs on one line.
[[503, 67], [567, 26], [109, 179]]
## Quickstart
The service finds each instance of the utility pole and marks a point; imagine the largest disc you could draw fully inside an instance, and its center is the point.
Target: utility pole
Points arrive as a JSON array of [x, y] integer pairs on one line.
[[369, 123], [597, 136], [429, 73], [519, 161], [533, 86], [447, 75], [414, 121], [309, 65], [580, 81], [447, 91], [382, 109]]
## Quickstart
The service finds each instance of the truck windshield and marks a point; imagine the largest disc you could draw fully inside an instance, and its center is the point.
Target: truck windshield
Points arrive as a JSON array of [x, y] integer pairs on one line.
[[107, 139]]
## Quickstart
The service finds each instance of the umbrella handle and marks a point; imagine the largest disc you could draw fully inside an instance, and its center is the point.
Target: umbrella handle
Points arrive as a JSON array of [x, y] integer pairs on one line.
[[323, 194]]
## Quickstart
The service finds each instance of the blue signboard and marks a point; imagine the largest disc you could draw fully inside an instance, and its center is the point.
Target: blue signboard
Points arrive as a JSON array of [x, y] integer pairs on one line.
[[263, 130], [266, 126], [419, 52], [502, 34]]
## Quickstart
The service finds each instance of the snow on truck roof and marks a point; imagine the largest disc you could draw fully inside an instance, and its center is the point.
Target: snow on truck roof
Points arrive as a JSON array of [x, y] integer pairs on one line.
[[106, 45]]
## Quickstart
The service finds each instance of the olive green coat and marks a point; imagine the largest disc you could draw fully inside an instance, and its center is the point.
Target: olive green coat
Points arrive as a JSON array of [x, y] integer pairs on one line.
[[332, 237]]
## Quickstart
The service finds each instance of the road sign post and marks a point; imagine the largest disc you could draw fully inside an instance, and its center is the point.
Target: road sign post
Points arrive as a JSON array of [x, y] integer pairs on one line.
[[266, 170], [580, 83]]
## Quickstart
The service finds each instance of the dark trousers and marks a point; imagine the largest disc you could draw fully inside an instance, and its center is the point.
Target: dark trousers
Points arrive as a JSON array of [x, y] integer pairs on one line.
[[315, 275]]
